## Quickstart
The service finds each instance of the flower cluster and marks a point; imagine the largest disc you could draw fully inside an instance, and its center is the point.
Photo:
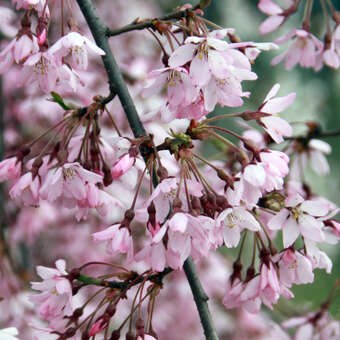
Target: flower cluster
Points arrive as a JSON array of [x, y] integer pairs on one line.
[[43, 64], [306, 49]]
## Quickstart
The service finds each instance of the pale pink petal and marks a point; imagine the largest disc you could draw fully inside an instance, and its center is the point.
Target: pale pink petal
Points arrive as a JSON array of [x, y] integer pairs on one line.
[[182, 55], [285, 38], [278, 221], [307, 58], [320, 145], [217, 44], [331, 59], [254, 174], [293, 200], [277, 127], [252, 289], [158, 259], [179, 222], [278, 59], [217, 64], [290, 232], [311, 228], [314, 208], [293, 56], [319, 162], [199, 70], [210, 96], [105, 234], [269, 7], [271, 24], [304, 269], [273, 92], [231, 236], [278, 104], [305, 332]]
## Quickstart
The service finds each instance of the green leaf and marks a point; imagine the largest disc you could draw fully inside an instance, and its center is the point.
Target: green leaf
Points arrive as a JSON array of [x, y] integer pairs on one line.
[[59, 100]]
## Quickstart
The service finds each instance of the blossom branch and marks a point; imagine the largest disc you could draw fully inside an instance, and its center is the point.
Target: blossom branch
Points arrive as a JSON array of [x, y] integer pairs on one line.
[[88, 280], [147, 23], [117, 85]]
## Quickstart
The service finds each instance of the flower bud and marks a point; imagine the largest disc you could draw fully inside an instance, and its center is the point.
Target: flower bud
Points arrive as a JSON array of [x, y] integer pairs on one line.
[[115, 335]]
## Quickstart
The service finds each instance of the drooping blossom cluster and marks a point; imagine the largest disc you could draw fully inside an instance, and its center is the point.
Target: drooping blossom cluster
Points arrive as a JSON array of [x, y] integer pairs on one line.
[[305, 48], [41, 63], [204, 72], [153, 199]]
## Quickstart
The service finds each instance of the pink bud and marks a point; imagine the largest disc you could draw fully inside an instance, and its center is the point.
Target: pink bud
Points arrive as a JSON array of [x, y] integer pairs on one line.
[[42, 36], [98, 326], [122, 165]]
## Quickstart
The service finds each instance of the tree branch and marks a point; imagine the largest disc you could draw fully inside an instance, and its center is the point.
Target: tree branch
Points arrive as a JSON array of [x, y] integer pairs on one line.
[[201, 299], [146, 23], [118, 86], [157, 278], [116, 81]]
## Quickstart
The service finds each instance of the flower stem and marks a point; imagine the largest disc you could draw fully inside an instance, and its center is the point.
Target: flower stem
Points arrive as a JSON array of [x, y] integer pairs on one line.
[[218, 117]]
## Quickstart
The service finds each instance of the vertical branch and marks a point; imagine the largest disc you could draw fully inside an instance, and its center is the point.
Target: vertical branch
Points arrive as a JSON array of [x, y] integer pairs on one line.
[[201, 299], [118, 86], [116, 81]]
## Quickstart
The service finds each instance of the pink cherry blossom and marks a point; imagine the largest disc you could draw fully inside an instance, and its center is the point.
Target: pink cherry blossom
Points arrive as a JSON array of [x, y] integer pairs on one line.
[[216, 67], [181, 92], [303, 50], [264, 287], [313, 154], [119, 240], [233, 222], [318, 257], [274, 125], [55, 299], [68, 182], [26, 189], [154, 255], [276, 15], [331, 54], [122, 165], [38, 5], [275, 164], [78, 46], [18, 50], [163, 194], [186, 235], [314, 325], [10, 168], [299, 218], [42, 68], [249, 185], [295, 268], [98, 199], [98, 326], [254, 49]]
